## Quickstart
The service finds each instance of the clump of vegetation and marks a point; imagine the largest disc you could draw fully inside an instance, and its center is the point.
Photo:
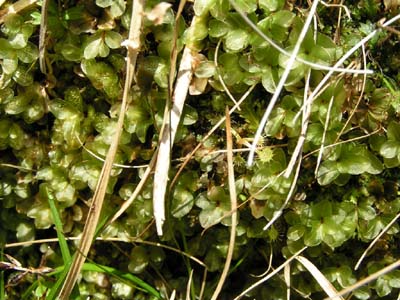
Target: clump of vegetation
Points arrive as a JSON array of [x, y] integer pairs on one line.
[[320, 199]]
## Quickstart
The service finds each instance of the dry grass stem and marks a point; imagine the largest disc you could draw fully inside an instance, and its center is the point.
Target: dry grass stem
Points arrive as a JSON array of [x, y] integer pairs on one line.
[[322, 148], [174, 50], [109, 239], [277, 47], [212, 130], [203, 284], [233, 197], [221, 80], [136, 192], [171, 120], [359, 97], [324, 283], [343, 59], [366, 280], [286, 274], [276, 215], [279, 212], [273, 273], [282, 81], [271, 255], [168, 133], [304, 126], [16, 167], [173, 294], [42, 36], [346, 141], [307, 103], [384, 230], [189, 284], [98, 157], [99, 194], [341, 6]]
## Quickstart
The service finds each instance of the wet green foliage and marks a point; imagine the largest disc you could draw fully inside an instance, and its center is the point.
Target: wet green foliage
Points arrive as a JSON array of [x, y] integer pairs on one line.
[[55, 130]]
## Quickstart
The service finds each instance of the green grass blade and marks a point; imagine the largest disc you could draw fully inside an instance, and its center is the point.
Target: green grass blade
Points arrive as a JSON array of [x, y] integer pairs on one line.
[[28, 293], [66, 255], [127, 277], [2, 290], [60, 280]]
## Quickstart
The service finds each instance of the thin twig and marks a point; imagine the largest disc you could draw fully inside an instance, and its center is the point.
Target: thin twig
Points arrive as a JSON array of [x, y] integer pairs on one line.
[[346, 141], [109, 239]]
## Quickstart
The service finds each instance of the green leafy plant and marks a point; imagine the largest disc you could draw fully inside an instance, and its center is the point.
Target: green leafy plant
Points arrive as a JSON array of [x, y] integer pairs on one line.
[[324, 181]]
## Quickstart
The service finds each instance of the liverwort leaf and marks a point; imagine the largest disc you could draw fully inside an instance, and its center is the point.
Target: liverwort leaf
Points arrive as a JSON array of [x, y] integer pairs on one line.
[[327, 172], [271, 5], [92, 49], [217, 28], [247, 6], [236, 40], [270, 79], [182, 202], [9, 65], [117, 8], [113, 39], [352, 164], [390, 149], [104, 3], [201, 7]]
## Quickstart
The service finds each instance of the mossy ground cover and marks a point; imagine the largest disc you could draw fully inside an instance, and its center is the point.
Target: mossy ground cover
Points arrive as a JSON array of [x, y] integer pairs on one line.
[[324, 179]]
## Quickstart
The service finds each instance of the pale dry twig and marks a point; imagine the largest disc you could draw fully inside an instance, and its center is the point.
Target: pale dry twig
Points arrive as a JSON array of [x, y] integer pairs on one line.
[[233, 197]]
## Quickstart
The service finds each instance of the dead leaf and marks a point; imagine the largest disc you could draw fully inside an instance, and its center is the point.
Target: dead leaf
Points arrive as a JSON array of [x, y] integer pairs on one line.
[[157, 14]]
